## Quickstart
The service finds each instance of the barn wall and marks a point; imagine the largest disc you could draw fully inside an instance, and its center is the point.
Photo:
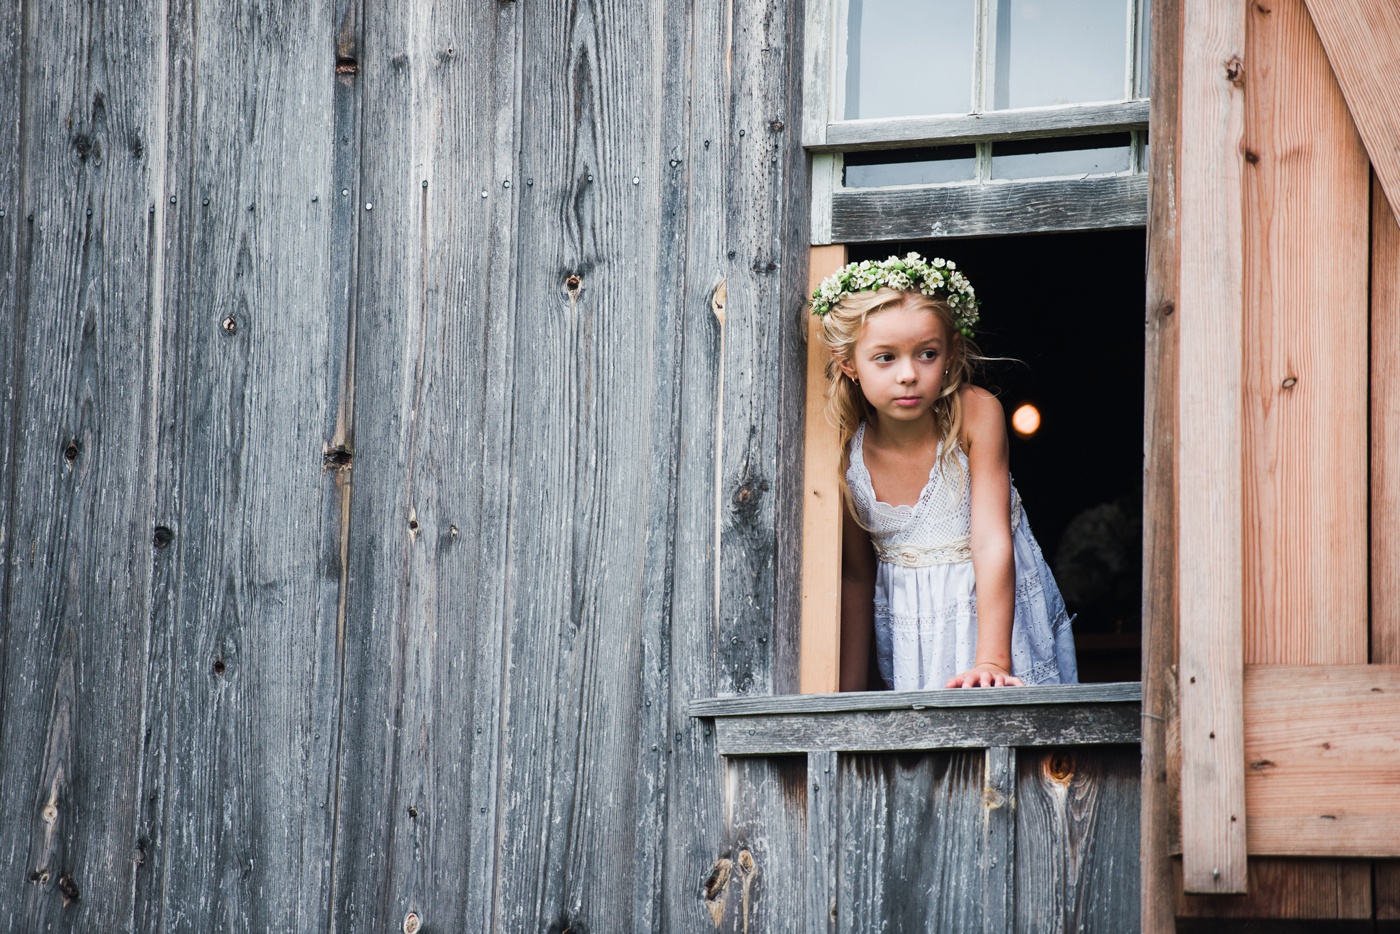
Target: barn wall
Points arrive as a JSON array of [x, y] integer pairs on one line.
[[354, 562]]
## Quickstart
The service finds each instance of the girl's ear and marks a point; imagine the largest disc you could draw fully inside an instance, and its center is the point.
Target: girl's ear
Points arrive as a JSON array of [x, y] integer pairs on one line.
[[846, 366]]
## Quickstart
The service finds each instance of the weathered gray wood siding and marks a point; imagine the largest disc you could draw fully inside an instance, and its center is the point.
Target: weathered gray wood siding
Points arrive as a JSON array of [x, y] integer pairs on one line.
[[354, 563]]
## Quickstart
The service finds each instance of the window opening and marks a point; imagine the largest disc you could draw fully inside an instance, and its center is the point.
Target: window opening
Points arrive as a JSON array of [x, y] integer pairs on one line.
[[1065, 157], [937, 165], [1076, 345]]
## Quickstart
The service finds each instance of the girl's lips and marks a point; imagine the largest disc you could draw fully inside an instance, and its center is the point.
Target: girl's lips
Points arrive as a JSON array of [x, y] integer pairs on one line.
[[907, 400]]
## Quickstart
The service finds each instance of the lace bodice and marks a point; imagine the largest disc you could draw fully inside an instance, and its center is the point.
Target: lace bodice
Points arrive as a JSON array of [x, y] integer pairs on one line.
[[937, 529]]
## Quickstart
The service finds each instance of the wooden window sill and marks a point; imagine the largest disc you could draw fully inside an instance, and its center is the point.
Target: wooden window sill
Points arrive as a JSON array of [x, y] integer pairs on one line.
[[890, 721]]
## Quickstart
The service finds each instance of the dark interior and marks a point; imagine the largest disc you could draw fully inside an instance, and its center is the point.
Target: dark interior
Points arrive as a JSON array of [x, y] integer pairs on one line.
[[1066, 313]]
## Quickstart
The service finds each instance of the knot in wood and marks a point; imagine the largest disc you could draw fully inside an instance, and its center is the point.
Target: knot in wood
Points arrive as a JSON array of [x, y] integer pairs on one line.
[[219, 666], [411, 924], [346, 65], [573, 283], [68, 887], [229, 325], [1060, 768], [50, 813], [1290, 381], [776, 126], [70, 453], [162, 537], [1234, 71]]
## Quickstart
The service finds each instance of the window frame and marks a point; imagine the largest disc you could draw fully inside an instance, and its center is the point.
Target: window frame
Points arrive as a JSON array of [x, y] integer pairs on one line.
[[841, 216]]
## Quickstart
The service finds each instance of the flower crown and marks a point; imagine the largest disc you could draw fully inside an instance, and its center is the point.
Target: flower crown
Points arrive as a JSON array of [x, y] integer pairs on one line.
[[911, 273]]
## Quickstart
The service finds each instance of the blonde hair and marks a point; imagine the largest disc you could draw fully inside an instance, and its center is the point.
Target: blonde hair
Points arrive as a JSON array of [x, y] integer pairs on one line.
[[846, 406]]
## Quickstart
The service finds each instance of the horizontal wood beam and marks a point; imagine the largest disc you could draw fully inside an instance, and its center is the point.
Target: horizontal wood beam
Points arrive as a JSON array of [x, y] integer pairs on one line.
[[1122, 692], [998, 208], [1322, 746], [1029, 123], [929, 728]]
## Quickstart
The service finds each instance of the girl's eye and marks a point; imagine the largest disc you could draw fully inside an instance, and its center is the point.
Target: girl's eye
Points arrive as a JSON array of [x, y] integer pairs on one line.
[[929, 355], [884, 357]]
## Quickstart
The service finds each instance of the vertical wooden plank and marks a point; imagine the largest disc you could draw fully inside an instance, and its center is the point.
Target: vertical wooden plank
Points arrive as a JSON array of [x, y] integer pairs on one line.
[[1077, 867], [245, 693], [1209, 495], [999, 841], [819, 42], [821, 507], [765, 211], [1385, 475], [822, 818], [1385, 432], [428, 609], [911, 832], [1363, 45], [81, 102], [734, 223], [757, 884], [1305, 394], [693, 840], [1159, 617]]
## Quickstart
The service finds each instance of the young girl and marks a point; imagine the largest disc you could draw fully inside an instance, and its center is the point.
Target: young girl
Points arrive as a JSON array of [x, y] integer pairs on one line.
[[937, 553]]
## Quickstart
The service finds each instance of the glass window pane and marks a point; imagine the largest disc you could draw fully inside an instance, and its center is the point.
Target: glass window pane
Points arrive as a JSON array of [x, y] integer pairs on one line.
[[909, 57], [1051, 158], [1060, 52], [935, 166]]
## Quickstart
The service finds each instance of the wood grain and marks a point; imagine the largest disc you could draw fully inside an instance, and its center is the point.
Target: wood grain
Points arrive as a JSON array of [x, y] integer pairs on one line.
[[1288, 888], [998, 862], [1385, 477], [823, 841], [1324, 759], [1363, 44], [1077, 866], [880, 731], [1160, 783], [1306, 196], [1385, 432], [1002, 209], [822, 508], [1209, 495], [248, 703], [77, 371], [427, 611], [911, 837], [764, 846]]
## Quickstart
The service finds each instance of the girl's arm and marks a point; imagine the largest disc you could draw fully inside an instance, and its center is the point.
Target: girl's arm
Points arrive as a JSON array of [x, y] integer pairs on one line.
[[993, 562], [857, 604]]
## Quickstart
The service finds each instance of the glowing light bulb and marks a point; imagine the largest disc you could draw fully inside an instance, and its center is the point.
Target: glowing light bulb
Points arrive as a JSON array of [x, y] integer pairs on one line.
[[1026, 420]]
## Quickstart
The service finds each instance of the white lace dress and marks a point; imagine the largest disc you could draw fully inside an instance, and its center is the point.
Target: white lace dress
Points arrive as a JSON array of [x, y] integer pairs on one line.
[[925, 593]]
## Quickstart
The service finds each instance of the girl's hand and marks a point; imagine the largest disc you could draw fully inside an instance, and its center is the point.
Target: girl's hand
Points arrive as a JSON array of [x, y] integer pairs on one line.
[[985, 675]]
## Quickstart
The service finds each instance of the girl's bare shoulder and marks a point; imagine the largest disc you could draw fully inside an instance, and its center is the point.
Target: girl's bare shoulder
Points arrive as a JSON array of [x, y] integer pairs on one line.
[[980, 406], [983, 418]]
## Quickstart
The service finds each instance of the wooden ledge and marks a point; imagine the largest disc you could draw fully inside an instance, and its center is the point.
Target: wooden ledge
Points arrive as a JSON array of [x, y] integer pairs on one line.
[[890, 721]]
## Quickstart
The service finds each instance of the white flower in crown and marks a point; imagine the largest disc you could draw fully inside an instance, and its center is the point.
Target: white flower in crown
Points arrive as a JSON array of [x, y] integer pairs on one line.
[[911, 273]]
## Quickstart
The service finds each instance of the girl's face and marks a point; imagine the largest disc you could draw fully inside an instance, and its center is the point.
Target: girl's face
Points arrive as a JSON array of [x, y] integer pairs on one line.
[[900, 362]]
